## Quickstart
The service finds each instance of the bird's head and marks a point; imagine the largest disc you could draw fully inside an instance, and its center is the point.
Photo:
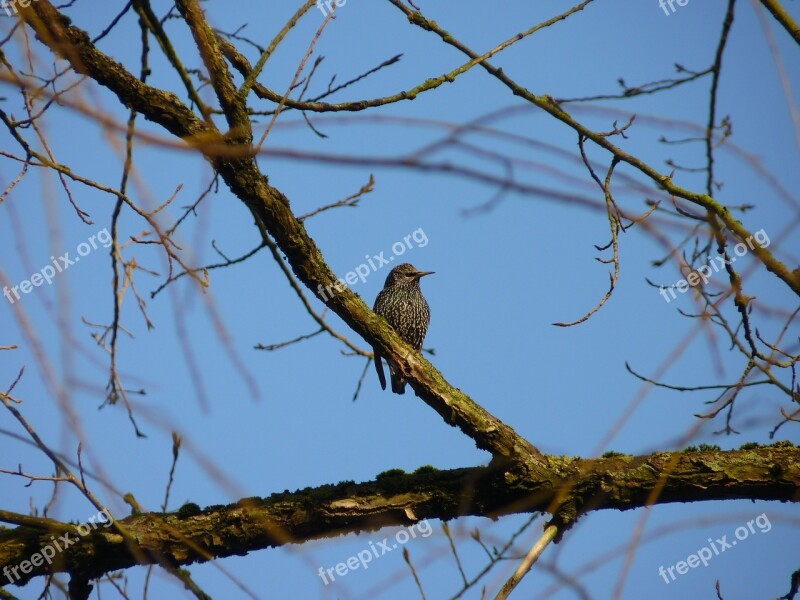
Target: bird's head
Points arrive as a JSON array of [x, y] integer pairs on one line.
[[405, 274]]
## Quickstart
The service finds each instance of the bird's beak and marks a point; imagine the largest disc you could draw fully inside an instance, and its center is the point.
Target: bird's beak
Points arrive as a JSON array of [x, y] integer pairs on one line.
[[423, 273]]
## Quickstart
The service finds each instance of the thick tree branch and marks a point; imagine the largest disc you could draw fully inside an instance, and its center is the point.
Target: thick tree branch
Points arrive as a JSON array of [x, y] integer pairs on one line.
[[571, 488]]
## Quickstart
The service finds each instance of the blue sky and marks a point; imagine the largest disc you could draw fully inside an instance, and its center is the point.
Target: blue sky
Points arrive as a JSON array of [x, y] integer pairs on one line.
[[286, 420]]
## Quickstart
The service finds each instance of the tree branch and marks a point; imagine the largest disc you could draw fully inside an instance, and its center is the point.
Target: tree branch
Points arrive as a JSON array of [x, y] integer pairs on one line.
[[783, 17], [570, 489]]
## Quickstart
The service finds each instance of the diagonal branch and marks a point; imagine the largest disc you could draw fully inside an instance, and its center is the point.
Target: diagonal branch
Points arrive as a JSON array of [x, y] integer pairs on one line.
[[783, 17], [273, 214]]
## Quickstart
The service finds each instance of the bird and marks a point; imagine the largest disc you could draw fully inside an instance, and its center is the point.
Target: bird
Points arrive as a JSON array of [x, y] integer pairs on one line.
[[402, 304]]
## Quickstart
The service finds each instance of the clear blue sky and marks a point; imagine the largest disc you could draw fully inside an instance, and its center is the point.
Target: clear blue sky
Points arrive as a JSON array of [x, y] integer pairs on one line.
[[502, 278]]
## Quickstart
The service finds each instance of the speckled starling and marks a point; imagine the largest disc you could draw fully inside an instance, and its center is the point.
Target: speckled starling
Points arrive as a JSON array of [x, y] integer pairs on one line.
[[402, 304]]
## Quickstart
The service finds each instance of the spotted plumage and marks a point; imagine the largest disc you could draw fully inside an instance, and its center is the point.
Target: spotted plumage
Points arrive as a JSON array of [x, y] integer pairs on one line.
[[402, 304]]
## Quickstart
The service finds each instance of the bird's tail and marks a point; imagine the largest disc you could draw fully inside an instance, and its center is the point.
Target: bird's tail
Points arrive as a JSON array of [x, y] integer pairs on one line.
[[379, 369]]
